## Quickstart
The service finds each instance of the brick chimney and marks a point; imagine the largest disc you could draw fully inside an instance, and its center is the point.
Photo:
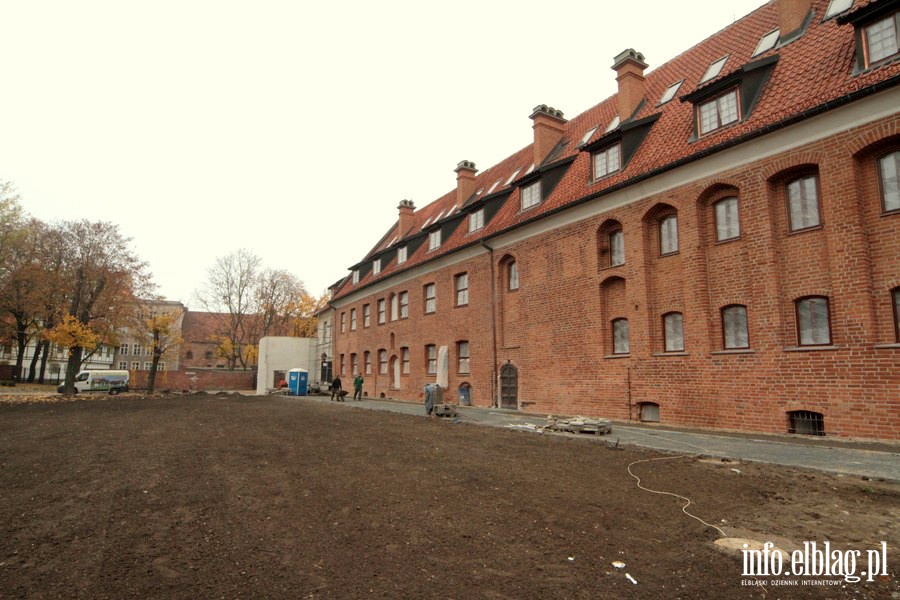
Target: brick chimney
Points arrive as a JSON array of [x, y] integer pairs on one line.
[[791, 16], [465, 181], [549, 126], [406, 209], [629, 66]]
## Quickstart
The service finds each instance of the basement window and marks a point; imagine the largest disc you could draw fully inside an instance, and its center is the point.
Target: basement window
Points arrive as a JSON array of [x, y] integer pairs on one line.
[[649, 412], [806, 422], [670, 92], [767, 42], [714, 69]]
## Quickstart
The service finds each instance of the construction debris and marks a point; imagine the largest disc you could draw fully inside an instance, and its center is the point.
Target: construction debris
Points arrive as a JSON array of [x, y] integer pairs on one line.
[[579, 425], [445, 410]]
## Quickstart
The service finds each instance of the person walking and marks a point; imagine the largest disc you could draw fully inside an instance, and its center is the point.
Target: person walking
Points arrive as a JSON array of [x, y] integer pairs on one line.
[[336, 388], [357, 387]]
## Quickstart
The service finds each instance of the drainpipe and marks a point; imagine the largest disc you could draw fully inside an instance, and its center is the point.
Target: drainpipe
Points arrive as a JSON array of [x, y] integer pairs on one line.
[[494, 400]]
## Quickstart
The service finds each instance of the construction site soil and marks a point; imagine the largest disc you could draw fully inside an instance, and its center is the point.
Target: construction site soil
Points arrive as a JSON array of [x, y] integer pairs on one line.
[[224, 496]]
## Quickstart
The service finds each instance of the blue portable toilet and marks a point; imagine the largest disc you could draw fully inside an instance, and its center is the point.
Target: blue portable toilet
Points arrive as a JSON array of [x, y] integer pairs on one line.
[[298, 381]]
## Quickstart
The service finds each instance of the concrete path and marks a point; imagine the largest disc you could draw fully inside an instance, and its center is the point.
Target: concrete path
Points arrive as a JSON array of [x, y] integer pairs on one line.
[[872, 460]]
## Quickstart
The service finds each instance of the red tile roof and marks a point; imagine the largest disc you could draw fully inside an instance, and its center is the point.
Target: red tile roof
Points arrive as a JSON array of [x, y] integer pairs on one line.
[[812, 72]]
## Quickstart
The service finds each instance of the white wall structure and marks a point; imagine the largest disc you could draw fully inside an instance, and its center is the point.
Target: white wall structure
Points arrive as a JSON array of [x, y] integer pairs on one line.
[[284, 354]]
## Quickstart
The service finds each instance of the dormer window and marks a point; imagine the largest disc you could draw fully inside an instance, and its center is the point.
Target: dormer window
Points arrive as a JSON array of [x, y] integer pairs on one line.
[[670, 92], [880, 38], [718, 112], [531, 195], [434, 239], [355, 276], [376, 266], [401, 255], [714, 69], [476, 220], [607, 161]]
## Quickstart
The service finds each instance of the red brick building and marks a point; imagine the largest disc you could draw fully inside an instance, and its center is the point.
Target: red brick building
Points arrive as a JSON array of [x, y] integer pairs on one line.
[[716, 245]]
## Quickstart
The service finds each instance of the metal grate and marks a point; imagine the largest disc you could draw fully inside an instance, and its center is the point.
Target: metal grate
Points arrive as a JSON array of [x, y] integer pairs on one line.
[[806, 422]]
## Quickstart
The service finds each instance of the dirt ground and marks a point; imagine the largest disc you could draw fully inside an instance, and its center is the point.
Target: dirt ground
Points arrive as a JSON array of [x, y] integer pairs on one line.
[[232, 497]]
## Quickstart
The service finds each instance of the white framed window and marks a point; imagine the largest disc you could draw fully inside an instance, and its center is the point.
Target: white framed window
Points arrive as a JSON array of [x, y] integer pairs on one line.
[[836, 7], [673, 332], [352, 319], [616, 248], [767, 42], [813, 321], [367, 315], [404, 360], [735, 333], [621, 342], [147, 365], [355, 275], [395, 307], [434, 239], [354, 367], [881, 38], [367, 362], [476, 220], [513, 277], [343, 322], [803, 203], [668, 234], [718, 112], [607, 161], [123, 365], [889, 175], [670, 92], [462, 354], [376, 266], [531, 195], [160, 366], [381, 311], [135, 366], [382, 362], [401, 255], [431, 359], [462, 289], [404, 304], [728, 226], [123, 349], [430, 299], [714, 69]]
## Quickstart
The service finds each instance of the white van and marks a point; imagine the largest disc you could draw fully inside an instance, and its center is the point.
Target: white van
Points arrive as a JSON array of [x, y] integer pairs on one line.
[[100, 381]]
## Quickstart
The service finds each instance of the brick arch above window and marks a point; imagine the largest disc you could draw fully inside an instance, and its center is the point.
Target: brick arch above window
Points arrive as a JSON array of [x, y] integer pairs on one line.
[[661, 225], [719, 208]]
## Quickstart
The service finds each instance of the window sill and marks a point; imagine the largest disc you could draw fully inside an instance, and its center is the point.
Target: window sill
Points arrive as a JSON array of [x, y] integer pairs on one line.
[[679, 353], [608, 267], [734, 351], [727, 241], [806, 229], [886, 346], [611, 356], [667, 254], [811, 348]]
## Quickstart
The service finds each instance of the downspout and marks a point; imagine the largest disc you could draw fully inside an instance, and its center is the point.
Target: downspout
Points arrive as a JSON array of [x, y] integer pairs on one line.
[[494, 399]]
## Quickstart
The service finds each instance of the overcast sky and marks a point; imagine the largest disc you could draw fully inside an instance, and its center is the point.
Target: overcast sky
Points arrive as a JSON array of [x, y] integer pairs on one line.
[[293, 129]]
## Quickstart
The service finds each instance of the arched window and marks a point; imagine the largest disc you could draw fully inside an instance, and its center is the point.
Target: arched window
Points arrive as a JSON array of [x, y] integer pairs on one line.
[[728, 225], [512, 271], [889, 176], [803, 202], [668, 233], [673, 332], [735, 333], [611, 244], [813, 321], [895, 299], [620, 335]]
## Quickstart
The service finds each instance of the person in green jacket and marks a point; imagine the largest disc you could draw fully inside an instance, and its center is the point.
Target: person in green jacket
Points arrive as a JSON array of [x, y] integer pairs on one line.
[[357, 387]]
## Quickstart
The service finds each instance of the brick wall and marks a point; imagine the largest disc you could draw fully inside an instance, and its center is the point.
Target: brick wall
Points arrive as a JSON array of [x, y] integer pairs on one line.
[[196, 379], [556, 329]]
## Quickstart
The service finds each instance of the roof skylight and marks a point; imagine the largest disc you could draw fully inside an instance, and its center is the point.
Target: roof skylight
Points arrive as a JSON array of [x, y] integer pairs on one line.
[[587, 137], [426, 223], [613, 125], [513, 176], [838, 6], [714, 69], [393, 241], [530, 169], [478, 193], [670, 92], [767, 42], [440, 215], [494, 187]]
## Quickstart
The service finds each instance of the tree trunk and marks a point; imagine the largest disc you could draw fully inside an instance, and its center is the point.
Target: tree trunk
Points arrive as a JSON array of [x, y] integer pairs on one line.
[[21, 344], [46, 353], [32, 368], [151, 377], [73, 365]]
